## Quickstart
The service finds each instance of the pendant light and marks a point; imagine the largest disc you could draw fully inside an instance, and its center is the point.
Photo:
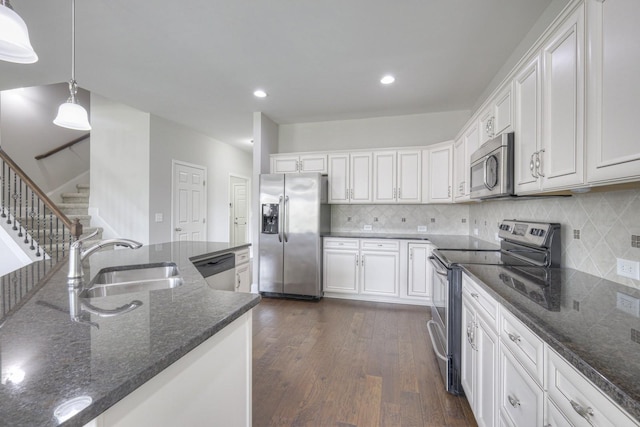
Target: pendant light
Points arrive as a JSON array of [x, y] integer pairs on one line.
[[14, 37], [71, 114]]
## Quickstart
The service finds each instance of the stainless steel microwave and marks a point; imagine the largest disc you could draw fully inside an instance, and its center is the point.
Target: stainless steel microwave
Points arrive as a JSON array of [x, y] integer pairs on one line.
[[492, 168]]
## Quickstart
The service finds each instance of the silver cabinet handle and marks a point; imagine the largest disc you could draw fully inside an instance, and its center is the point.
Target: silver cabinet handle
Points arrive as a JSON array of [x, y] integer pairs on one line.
[[532, 165], [513, 401], [585, 413], [399, 192], [476, 296], [411, 254], [539, 163], [513, 337], [471, 335], [449, 191], [357, 260], [178, 229], [238, 285], [352, 194]]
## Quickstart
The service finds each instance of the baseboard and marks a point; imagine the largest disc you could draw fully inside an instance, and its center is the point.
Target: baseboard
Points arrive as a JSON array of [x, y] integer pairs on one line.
[[375, 298]]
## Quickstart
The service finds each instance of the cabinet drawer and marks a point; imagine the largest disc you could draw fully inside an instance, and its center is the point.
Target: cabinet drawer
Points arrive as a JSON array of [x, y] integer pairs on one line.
[[341, 243], [575, 395], [482, 299], [382, 245], [521, 400], [242, 256], [527, 347]]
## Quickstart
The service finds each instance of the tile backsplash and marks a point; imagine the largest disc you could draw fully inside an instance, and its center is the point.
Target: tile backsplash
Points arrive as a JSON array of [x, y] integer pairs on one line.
[[597, 227], [405, 219]]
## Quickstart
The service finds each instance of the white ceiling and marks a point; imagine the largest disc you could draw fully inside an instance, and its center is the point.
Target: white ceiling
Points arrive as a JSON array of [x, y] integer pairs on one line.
[[197, 62]]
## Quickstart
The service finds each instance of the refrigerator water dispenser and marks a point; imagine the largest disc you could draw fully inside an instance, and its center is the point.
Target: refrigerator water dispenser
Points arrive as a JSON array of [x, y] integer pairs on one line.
[[270, 218]]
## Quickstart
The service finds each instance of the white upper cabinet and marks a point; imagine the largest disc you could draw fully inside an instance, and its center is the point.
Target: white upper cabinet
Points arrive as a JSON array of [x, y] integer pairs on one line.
[[437, 173], [613, 91], [497, 118], [527, 97], [463, 148], [294, 163], [549, 112], [562, 154], [350, 177], [397, 176]]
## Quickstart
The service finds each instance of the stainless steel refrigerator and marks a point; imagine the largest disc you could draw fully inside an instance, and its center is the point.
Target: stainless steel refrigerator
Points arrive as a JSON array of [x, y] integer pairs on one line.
[[294, 213]]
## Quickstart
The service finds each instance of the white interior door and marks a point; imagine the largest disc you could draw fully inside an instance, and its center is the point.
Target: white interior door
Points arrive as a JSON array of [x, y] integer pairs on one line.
[[189, 202], [239, 210]]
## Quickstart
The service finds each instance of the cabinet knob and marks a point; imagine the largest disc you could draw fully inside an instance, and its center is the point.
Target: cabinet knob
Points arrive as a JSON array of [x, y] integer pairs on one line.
[[513, 401]]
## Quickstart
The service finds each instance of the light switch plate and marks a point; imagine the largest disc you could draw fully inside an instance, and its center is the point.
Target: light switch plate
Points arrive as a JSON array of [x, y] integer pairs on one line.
[[422, 229], [367, 227], [159, 217]]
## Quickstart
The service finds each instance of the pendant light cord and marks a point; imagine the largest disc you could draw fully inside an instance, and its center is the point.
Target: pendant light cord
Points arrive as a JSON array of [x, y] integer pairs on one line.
[[73, 40]]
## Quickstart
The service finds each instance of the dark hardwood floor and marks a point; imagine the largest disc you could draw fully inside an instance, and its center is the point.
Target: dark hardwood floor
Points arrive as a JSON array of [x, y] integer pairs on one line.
[[347, 363]]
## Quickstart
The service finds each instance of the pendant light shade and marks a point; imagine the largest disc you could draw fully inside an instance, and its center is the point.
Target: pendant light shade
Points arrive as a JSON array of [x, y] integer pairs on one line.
[[72, 115], [14, 37]]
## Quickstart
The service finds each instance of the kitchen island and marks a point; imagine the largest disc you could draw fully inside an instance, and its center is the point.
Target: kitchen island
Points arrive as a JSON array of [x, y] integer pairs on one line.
[[104, 363]]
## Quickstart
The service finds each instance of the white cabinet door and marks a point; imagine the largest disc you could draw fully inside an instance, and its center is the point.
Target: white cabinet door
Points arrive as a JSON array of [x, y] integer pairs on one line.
[[361, 177], [459, 165], [527, 96], [380, 272], [521, 400], [502, 112], [562, 153], [339, 180], [419, 271], [467, 362], [313, 163], [440, 174], [613, 150], [243, 278], [284, 164], [409, 182], [486, 375], [384, 177], [341, 269]]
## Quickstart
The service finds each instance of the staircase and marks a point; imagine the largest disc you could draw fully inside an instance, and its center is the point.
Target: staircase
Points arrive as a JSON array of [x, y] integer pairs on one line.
[[76, 206]]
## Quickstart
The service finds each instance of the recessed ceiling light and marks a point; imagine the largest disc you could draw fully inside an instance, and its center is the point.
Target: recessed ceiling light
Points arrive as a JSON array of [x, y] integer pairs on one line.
[[260, 93], [387, 80]]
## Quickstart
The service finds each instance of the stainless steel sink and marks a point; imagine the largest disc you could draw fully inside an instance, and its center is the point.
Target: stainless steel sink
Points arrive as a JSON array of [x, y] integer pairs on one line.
[[134, 278]]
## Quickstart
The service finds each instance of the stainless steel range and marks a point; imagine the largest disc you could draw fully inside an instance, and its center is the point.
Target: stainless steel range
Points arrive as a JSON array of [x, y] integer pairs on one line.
[[527, 250]]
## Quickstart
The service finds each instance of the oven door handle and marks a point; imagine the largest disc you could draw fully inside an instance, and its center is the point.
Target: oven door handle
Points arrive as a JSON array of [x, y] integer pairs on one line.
[[436, 350], [436, 265]]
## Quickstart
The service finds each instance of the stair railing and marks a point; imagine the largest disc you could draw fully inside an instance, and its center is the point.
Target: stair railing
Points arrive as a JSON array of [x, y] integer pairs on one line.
[[37, 221]]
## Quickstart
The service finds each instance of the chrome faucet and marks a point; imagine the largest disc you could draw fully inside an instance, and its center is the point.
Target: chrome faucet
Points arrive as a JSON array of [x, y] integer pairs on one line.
[[77, 255]]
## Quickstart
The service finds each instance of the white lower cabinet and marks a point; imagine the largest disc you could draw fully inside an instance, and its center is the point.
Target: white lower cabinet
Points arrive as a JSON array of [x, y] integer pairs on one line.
[[243, 271], [511, 377], [521, 399], [419, 270], [367, 266], [479, 364], [578, 399]]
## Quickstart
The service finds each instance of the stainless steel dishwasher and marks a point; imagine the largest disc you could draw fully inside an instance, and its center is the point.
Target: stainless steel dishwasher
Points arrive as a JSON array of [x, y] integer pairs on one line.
[[218, 271]]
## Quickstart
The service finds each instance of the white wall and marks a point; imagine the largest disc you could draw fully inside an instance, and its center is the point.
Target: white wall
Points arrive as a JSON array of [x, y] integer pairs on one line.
[[377, 132], [120, 167], [171, 141], [27, 130]]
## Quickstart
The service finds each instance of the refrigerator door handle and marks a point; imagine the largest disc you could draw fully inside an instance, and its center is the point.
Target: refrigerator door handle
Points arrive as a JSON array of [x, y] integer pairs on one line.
[[280, 219], [286, 218]]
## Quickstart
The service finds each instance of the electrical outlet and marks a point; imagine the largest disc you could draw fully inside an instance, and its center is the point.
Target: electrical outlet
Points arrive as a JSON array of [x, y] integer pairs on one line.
[[630, 269], [422, 229], [475, 231], [159, 217], [628, 304], [367, 227], [496, 237]]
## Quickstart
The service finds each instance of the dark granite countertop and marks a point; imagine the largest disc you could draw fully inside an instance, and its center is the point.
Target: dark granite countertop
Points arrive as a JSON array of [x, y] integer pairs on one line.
[[442, 241], [585, 326], [47, 359]]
